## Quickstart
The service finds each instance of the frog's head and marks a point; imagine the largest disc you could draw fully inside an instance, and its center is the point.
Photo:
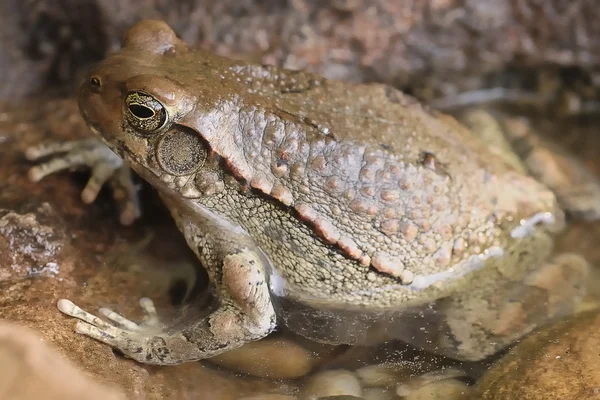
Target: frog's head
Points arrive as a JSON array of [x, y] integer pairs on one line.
[[132, 101]]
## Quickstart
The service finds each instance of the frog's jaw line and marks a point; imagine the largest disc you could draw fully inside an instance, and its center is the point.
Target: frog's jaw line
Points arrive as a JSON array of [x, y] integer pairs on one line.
[[102, 138], [120, 150], [526, 227], [277, 283], [96, 132], [124, 153], [423, 282], [473, 263], [147, 175]]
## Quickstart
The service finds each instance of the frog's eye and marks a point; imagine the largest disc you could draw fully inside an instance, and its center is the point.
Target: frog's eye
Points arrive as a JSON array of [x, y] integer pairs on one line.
[[144, 112]]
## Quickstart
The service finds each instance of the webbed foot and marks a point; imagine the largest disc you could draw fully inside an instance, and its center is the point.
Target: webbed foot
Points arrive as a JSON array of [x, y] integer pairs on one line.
[[142, 342]]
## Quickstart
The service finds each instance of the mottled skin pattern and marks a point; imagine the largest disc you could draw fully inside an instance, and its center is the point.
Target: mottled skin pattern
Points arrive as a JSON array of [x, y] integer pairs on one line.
[[293, 189]]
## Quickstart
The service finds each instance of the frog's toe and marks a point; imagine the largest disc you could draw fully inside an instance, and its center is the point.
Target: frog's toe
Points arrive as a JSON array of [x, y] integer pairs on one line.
[[33, 153], [101, 173], [151, 315], [123, 188], [121, 337], [130, 342], [120, 320], [69, 154], [106, 167], [69, 308], [125, 195], [54, 165], [151, 319], [144, 342]]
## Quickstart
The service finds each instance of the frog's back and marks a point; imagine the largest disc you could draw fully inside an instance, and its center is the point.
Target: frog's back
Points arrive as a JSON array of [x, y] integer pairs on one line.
[[396, 189], [397, 207]]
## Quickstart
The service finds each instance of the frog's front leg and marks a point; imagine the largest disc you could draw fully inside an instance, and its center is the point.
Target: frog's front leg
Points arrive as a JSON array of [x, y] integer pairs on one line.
[[105, 167], [245, 313]]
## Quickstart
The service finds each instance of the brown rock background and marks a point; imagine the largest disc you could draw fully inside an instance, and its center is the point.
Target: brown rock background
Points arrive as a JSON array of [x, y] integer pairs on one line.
[[408, 43]]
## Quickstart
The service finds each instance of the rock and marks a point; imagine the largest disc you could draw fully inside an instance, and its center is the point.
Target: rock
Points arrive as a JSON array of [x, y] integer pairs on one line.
[[273, 358], [30, 243], [268, 397], [379, 394], [30, 369], [54, 246], [403, 42], [430, 380], [390, 374], [448, 389], [559, 362], [381, 375], [341, 397], [411, 380], [331, 383]]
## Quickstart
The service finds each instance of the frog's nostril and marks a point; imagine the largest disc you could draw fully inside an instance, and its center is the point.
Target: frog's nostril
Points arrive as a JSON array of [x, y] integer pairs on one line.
[[95, 82]]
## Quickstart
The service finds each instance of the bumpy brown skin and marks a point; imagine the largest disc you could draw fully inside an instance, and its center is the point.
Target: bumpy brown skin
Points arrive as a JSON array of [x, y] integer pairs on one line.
[[351, 203]]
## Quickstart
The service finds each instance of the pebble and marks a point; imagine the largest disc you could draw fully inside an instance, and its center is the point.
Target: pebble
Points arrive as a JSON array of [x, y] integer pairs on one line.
[[268, 397], [448, 389], [386, 375], [338, 382], [560, 361], [379, 394], [273, 358]]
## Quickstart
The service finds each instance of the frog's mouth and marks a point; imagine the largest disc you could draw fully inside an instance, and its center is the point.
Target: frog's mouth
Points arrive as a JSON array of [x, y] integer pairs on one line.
[[94, 127], [144, 172], [119, 147]]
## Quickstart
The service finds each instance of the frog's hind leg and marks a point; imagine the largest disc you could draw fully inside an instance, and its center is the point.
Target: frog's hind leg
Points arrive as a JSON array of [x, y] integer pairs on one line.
[[244, 314], [482, 324]]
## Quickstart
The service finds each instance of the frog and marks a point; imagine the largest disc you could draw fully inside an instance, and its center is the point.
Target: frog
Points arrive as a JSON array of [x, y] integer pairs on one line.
[[347, 213]]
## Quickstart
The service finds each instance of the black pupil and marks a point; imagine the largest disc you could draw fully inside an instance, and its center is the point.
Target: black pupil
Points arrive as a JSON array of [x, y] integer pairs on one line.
[[141, 111]]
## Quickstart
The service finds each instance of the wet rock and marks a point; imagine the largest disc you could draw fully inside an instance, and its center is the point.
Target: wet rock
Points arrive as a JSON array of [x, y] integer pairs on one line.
[[268, 397], [273, 358], [449, 389], [558, 362], [379, 394], [409, 378], [389, 375], [30, 243], [99, 263], [30, 369], [342, 397], [331, 383]]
